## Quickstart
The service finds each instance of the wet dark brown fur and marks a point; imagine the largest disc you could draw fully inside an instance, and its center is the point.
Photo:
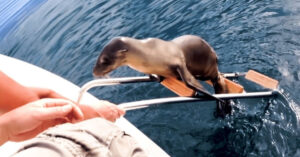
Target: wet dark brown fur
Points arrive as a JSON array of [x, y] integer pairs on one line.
[[201, 60]]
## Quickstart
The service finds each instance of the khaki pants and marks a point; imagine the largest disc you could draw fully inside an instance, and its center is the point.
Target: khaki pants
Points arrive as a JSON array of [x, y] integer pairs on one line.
[[91, 138]]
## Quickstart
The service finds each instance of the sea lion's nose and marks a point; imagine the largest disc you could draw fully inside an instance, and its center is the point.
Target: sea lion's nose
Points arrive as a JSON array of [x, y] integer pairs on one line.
[[96, 72]]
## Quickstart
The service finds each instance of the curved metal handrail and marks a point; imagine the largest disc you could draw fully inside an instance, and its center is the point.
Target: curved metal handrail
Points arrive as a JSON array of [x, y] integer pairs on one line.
[[114, 81]]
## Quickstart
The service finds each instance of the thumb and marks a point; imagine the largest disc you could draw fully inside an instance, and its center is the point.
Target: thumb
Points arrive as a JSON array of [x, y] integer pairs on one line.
[[49, 113], [121, 111]]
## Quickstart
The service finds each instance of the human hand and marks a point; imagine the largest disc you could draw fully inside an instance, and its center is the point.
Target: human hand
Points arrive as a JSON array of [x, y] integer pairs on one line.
[[29, 120], [45, 93], [102, 109], [14, 94]]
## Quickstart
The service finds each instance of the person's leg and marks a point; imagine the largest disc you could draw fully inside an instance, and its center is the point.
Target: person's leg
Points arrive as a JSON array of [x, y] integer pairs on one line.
[[43, 148], [94, 137]]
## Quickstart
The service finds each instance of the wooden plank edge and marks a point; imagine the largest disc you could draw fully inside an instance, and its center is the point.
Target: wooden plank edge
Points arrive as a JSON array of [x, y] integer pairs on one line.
[[261, 79]]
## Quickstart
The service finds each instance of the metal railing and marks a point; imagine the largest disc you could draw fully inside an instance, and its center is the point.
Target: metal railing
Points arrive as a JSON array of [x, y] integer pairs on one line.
[[154, 78]]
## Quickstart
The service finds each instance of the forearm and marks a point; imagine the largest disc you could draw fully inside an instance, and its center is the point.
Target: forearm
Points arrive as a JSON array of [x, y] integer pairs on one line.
[[45, 93], [88, 111], [3, 133], [13, 94]]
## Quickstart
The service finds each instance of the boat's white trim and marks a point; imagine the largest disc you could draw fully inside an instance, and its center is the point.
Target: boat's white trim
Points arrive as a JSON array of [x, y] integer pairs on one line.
[[31, 75]]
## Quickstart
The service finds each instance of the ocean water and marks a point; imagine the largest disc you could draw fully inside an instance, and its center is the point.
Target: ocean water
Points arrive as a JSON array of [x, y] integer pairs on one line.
[[65, 37]]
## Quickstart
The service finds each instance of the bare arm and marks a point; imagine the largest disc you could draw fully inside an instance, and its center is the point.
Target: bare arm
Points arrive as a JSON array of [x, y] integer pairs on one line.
[[27, 121], [13, 94]]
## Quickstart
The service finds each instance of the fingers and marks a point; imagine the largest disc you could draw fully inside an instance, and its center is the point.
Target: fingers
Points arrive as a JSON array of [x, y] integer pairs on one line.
[[46, 93], [59, 108], [112, 112], [121, 111], [118, 112], [55, 112], [48, 102]]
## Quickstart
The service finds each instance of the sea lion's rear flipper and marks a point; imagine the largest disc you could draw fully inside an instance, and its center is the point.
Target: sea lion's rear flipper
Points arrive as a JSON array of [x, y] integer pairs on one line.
[[191, 82]]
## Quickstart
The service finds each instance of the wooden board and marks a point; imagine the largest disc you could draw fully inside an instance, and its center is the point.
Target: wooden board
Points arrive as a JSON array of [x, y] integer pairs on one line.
[[232, 86], [177, 87], [261, 79], [181, 89]]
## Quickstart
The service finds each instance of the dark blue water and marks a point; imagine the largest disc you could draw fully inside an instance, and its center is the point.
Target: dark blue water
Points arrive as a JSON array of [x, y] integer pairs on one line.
[[65, 37]]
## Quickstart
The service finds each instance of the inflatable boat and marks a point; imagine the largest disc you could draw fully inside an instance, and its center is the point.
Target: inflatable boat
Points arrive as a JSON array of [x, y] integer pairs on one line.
[[30, 75]]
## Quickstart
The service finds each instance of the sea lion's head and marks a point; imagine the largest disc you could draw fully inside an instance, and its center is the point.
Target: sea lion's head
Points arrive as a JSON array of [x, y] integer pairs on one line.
[[112, 56]]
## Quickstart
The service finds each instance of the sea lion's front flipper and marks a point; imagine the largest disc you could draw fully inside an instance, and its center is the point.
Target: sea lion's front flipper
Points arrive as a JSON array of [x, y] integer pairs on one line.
[[223, 108], [220, 87], [219, 84], [191, 82]]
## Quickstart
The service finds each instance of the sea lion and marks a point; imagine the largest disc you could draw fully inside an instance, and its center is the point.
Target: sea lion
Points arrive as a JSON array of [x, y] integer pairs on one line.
[[183, 57]]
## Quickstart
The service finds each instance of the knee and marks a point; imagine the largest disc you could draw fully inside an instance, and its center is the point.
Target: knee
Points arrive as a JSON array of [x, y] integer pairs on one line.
[[125, 145]]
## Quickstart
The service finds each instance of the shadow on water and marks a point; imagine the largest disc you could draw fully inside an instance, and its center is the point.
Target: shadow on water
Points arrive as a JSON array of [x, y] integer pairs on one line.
[[65, 37]]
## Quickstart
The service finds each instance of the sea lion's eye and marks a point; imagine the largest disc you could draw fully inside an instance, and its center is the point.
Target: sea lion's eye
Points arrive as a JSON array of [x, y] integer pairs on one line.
[[105, 61], [124, 50]]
